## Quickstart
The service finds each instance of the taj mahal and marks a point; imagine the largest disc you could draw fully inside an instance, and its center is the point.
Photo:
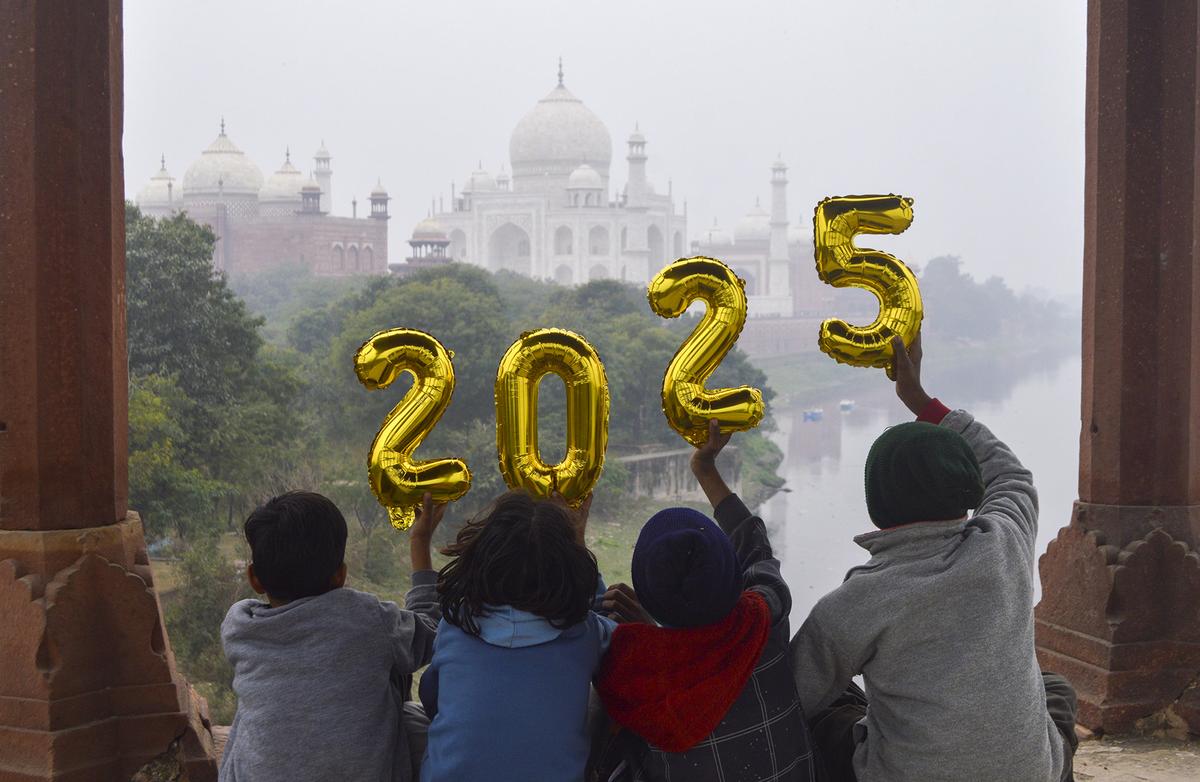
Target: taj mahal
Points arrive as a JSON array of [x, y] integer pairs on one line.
[[559, 217]]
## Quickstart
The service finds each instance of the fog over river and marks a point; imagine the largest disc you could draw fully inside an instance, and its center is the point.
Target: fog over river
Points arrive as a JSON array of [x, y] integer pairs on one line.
[[1031, 404]]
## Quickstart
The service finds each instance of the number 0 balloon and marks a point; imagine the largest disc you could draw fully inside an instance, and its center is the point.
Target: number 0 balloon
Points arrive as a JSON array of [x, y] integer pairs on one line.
[[399, 481], [527, 361], [687, 404], [836, 222]]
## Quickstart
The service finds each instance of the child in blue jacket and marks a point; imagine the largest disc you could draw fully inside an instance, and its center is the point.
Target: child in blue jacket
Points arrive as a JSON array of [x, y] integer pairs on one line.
[[518, 645]]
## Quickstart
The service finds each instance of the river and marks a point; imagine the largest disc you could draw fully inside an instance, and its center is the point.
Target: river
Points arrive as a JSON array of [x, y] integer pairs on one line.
[[1032, 404]]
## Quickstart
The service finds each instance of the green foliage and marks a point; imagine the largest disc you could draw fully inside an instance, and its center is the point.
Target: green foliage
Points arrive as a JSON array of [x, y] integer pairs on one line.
[[170, 496], [210, 583], [958, 306], [279, 295], [213, 411]]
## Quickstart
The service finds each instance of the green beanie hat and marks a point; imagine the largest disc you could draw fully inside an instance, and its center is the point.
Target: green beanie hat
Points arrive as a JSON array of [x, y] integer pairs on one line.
[[921, 472]]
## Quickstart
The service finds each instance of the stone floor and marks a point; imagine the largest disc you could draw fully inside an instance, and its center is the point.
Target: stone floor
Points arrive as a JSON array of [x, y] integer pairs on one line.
[[1098, 760], [1137, 760]]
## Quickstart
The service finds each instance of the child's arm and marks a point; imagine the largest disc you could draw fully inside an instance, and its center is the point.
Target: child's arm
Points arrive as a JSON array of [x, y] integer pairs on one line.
[[760, 568], [1008, 492], [414, 629]]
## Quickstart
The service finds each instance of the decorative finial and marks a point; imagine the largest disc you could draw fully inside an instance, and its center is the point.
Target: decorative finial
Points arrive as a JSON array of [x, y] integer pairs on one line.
[[287, 154], [636, 128], [479, 165], [163, 161], [560, 73], [222, 124]]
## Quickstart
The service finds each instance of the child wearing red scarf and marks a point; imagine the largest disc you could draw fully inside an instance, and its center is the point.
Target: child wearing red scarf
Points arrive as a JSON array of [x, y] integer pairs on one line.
[[704, 691]]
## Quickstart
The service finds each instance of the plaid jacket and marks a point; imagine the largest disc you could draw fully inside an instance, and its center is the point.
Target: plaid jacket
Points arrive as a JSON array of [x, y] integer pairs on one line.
[[763, 737]]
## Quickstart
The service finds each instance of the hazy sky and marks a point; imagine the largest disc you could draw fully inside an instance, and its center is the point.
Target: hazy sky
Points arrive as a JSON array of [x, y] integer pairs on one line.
[[973, 108]]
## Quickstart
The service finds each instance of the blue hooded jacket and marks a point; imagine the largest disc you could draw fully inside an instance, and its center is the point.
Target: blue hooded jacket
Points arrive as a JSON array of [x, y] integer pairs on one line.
[[512, 703]]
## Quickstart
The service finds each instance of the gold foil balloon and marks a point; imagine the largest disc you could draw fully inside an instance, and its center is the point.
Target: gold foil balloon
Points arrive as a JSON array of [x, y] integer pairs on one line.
[[687, 404], [398, 480], [836, 222], [526, 362]]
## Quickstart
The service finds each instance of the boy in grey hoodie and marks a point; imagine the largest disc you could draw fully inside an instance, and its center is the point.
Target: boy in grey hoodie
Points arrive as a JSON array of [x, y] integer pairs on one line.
[[939, 622], [322, 672]]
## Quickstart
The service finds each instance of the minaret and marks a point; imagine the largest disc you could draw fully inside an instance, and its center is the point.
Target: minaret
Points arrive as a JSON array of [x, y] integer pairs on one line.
[[779, 279], [635, 191], [779, 220], [324, 175]]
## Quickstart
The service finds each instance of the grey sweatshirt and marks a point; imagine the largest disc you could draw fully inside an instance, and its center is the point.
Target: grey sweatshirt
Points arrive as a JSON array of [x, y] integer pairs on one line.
[[940, 624], [316, 685]]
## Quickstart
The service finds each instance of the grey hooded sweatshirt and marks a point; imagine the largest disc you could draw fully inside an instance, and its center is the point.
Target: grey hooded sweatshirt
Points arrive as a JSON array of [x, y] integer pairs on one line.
[[317, 685], [939, 623]]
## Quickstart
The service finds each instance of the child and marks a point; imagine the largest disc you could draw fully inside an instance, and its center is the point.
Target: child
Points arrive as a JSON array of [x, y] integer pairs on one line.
[[940, 621], [317, 668], [710, 695], [517, 648]]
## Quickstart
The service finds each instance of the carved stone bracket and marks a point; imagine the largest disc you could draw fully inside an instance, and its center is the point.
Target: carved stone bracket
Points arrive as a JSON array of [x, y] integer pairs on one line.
[[89, 684], [1122, 623]]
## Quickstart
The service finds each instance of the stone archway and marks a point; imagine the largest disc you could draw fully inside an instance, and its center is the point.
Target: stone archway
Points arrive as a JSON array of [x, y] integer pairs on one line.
[[458, 245], [598, 272], [563, 275], [654, 240], [598, 240], [564, 241], [508, 248]]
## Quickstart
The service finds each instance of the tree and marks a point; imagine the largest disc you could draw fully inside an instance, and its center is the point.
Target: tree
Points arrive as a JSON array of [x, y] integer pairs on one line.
[[230, 403], [170, 496]]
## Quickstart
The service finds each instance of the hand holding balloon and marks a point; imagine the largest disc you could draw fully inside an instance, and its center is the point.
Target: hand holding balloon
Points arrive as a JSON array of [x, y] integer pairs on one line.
[[839, 263]]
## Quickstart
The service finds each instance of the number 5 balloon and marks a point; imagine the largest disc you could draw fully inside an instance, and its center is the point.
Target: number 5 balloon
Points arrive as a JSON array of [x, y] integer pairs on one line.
[[835, 224], [398, 480]]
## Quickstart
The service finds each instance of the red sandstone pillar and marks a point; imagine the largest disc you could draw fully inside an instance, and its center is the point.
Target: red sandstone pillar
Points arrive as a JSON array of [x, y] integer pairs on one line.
[[88, 688], [1120, 612]]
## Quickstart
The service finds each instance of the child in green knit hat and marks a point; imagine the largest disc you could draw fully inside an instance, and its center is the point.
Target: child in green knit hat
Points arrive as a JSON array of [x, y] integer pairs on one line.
[[939, 621]]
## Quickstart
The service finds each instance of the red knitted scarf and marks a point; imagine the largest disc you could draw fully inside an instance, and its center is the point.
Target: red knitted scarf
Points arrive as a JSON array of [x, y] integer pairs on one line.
[[673, 686]]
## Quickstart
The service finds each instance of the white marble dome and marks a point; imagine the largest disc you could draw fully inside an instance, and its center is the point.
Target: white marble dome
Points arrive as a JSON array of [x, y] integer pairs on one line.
[[755, 226], [480, 181], [283, 185], [223, 168], [585, 177], [556, 136], [160, 191]]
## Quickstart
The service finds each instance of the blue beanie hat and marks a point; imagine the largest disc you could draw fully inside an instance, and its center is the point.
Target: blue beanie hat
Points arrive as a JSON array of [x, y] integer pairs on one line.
[[685, 571]]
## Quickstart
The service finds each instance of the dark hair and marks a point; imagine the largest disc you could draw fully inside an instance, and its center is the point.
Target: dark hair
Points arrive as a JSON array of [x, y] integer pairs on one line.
[[298, 542], [520, 552]]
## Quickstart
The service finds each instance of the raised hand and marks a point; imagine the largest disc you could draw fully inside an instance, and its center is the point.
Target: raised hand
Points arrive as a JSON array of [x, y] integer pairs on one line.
[[908, 375]]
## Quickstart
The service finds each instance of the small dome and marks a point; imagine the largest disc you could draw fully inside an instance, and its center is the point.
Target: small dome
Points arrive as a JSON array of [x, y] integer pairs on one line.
[[585, 177], [716, 237], [430, 230], [480, 181], [379, 190], [636, 137], [284, 185], [223, 168], [160, 191], [321, 152], [756, 225], [310, 186]]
